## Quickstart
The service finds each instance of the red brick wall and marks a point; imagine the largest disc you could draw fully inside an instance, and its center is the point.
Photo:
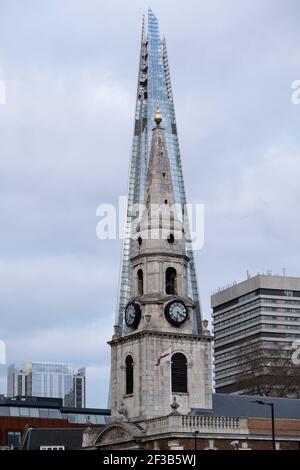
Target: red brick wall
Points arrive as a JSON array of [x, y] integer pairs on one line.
[[283, 427], [220, 444], [19, 424]]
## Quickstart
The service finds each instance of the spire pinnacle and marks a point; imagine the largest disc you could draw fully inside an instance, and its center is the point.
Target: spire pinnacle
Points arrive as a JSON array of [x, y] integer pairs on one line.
[[158, 115]]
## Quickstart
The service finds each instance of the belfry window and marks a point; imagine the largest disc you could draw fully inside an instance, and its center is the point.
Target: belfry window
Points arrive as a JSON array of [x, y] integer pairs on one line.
[[171, 281], [140, 282], [129, 375], [171, 238], [179, 373]]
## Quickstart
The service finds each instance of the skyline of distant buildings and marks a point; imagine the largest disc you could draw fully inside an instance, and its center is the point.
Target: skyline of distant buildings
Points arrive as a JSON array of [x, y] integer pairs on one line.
[[48, 379], [259, 312]]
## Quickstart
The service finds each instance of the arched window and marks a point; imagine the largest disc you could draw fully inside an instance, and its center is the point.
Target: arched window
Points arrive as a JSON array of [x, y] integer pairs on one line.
[[179, 373], [140, 281], [171, 281], [129, 375]]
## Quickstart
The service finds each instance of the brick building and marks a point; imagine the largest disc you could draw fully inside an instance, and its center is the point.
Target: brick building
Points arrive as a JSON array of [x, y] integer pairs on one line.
[[18, 414]]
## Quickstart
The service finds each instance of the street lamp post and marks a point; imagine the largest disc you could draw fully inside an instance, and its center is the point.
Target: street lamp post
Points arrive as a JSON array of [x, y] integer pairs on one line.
[[195, 436], [260, 402]]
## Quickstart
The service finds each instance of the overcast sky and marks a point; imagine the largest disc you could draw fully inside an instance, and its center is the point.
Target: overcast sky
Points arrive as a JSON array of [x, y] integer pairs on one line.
[[70, 68]]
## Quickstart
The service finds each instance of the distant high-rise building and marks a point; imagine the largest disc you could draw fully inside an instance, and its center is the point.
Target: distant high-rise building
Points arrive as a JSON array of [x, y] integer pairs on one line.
[[77, 397], [48, 379], [79, 386], [16, 382], [255, 324], [154, 84]]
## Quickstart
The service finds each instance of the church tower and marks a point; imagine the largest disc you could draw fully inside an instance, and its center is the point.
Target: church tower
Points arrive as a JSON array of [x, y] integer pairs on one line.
[[159, 362]]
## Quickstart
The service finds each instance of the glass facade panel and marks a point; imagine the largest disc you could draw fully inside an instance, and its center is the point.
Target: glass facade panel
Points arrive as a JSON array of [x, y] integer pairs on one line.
[[4, 411], [44, 413], [24, 411], [14, 411], [100, 419], [81, 418], [72, 418], [34, 412], [54, 414]]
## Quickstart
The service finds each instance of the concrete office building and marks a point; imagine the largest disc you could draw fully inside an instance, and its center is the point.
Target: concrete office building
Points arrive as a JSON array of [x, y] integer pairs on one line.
[[260, 312]]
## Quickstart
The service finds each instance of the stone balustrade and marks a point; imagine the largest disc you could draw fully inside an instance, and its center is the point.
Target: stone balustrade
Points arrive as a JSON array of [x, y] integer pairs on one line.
[[204, 422], [201, 423]]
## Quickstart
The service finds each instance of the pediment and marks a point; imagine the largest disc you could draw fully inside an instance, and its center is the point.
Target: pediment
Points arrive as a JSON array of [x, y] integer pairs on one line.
[[115, 433]]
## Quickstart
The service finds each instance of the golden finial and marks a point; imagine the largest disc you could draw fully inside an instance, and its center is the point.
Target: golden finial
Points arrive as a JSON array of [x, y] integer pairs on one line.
[[158, 116]]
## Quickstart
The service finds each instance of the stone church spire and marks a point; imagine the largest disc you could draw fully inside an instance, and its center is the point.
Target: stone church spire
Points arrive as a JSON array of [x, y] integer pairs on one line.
[[159, 263], [160, 228], [160, 355], [159, 188], [159, 315]]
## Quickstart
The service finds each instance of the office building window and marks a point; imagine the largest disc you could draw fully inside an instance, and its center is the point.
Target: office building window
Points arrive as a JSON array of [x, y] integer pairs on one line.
[[14, 438]]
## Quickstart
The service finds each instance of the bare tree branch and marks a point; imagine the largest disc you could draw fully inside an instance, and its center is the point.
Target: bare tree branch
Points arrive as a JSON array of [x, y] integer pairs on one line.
[[269, 372]]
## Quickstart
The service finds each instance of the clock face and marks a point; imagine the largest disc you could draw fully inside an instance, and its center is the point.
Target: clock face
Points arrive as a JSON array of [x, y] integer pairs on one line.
[[132, 315], [176, 312]]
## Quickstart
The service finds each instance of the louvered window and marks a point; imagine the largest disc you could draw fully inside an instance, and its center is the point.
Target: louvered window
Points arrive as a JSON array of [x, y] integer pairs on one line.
[[140, 282], [171, 281], [179, 373], [129, 375]]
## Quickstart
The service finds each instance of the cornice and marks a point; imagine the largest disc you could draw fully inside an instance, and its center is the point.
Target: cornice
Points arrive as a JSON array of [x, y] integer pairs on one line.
[[167, 334]]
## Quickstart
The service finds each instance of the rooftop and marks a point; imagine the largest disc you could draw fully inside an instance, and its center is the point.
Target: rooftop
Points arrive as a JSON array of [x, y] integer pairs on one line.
[[242, 406], [260, 281], [223, 405], [35, 438]]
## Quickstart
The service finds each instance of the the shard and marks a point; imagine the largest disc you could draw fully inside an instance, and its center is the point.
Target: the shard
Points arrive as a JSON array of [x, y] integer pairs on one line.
[[154, 85]]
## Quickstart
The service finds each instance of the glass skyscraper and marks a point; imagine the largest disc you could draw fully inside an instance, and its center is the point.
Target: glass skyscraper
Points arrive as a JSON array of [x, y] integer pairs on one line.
[[48, 379], [154, 85]]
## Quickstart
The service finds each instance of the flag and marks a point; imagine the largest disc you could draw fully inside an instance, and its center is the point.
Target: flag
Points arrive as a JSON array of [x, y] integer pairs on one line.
[[164, 357]]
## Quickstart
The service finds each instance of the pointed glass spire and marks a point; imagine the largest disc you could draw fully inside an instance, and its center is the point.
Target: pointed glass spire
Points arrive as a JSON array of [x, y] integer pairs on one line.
[[154, 85]]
